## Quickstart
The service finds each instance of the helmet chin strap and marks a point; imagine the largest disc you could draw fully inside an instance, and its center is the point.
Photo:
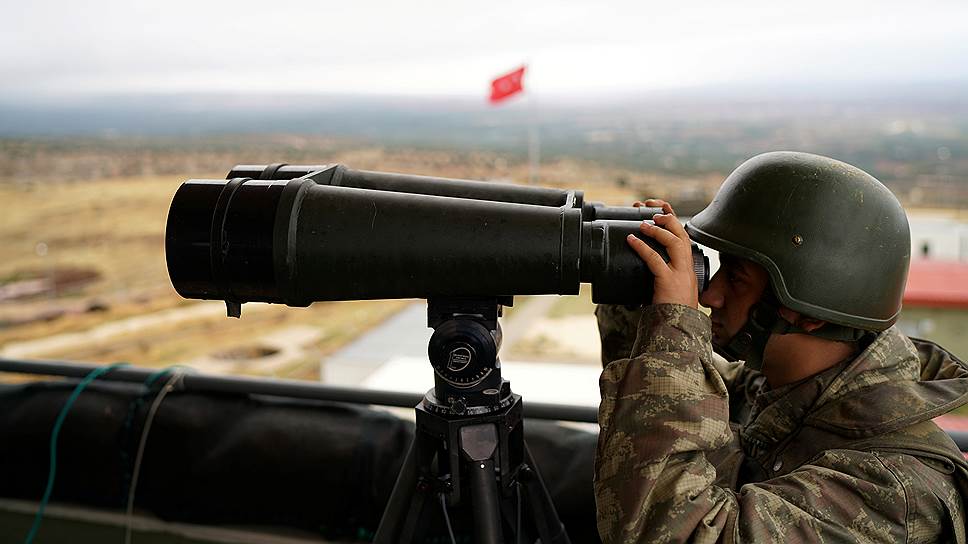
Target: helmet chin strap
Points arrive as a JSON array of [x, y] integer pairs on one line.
[[749, 342], [764, 320]]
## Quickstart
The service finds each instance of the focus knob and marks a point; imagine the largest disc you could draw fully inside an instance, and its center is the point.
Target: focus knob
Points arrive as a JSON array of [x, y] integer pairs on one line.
[[462, 352]]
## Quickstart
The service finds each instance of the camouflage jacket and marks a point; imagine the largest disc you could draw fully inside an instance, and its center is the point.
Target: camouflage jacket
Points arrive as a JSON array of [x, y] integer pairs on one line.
[[848, 455]]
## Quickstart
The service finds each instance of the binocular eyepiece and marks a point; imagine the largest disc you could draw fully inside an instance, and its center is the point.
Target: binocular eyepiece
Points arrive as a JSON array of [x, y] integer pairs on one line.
[[301, 234]]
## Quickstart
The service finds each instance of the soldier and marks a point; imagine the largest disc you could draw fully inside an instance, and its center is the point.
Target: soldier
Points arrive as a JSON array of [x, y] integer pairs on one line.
[[825, 433]]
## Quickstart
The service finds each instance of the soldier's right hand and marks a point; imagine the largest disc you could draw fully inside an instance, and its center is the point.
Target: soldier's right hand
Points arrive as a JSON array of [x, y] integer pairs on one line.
[[674, 282], [655, 203]]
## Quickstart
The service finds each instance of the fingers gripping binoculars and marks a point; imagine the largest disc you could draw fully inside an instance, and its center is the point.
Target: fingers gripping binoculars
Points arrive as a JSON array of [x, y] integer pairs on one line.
[[301, 234]]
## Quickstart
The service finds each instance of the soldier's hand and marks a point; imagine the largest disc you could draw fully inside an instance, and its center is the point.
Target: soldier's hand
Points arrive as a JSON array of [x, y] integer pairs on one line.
[[675, 281], [655, 203]]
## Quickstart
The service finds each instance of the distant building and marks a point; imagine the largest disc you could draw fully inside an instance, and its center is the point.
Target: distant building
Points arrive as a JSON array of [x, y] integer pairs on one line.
[[939, 236], [936, 304]]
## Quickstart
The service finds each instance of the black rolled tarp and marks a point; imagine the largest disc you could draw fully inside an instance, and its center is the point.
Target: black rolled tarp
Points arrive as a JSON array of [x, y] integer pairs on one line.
[[238, 459]]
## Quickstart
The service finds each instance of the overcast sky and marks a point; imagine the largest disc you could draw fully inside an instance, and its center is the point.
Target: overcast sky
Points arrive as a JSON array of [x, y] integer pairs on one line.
[[452, 47]]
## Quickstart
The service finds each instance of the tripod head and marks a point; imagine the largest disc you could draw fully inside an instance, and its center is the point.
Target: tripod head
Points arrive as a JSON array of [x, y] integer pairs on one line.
[[464, 354]]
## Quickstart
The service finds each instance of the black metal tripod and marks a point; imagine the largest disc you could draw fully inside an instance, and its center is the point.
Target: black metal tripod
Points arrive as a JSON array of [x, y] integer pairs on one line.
[[468, 451]]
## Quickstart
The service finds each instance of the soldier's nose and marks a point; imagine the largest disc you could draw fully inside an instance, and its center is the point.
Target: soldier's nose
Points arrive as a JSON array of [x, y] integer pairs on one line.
[[712, 297]]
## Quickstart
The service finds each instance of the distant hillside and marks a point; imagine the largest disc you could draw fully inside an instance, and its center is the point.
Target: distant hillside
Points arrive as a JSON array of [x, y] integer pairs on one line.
[[915, 139]]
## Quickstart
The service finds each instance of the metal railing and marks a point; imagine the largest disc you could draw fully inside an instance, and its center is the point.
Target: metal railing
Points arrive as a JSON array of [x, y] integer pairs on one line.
[[198, 382]]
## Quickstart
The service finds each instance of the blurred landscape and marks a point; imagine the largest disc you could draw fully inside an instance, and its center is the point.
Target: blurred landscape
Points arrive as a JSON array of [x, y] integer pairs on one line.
[[913, 138], [86, 185]]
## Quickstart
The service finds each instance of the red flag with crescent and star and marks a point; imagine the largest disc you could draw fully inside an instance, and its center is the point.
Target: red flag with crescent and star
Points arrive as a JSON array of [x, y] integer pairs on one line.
[[507, 85]]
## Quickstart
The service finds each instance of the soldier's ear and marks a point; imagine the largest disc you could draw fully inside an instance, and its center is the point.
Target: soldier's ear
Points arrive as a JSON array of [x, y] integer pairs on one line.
[[796, 318], [809, 324]]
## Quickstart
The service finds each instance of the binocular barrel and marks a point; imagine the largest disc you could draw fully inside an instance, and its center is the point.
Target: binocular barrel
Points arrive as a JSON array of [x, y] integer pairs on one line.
[[340, 175], [296, 242]]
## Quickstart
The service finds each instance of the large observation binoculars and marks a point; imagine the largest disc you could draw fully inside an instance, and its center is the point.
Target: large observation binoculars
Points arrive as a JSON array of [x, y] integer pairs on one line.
[[340, 234]]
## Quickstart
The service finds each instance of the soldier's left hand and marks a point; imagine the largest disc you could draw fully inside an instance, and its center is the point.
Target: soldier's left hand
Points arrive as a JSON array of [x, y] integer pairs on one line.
[[675, 281]]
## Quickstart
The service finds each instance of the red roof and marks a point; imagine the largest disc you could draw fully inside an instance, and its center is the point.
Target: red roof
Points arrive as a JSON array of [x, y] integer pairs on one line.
[[937, 284], [953, 422]]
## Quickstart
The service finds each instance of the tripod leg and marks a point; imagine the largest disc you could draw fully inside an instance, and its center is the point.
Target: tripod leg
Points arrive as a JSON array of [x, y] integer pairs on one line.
[[549, 526], [484, 494], [478, 445], [415, 525], [401, 499]]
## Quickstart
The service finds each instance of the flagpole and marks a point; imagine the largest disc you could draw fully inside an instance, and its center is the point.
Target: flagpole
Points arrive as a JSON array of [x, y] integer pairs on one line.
[[534, 138], [534, 143]]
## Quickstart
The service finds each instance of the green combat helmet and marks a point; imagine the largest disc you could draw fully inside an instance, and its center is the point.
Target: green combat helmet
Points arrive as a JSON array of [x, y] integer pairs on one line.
[[834, 240]]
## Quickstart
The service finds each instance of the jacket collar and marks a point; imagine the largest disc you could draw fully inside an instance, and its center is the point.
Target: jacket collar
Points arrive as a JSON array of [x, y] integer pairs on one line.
[[895, 382]]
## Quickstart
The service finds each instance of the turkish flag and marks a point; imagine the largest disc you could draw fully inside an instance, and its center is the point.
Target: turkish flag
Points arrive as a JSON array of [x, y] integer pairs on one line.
[[507, 85]]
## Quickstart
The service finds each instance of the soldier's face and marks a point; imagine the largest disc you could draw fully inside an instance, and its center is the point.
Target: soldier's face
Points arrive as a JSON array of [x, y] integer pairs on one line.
[[733, 290]]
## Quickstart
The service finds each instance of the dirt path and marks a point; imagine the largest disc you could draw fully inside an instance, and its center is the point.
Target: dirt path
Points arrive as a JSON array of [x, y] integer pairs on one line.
[[403, 334], [517, 325], [288, 345], [61, 342]]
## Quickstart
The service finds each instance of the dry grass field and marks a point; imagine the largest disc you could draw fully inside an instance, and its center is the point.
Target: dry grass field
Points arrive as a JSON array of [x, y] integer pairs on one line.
[[114, 227]]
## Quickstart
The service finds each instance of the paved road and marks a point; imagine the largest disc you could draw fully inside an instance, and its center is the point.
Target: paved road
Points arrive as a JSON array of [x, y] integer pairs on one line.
[[403, 335]]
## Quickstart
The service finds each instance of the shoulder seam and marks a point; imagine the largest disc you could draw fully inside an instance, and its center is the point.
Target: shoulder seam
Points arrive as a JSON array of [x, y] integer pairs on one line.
[[907, 499]]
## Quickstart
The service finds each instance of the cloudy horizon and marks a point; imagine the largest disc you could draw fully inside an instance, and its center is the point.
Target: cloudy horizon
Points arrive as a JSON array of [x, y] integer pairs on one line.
[[453, 49]]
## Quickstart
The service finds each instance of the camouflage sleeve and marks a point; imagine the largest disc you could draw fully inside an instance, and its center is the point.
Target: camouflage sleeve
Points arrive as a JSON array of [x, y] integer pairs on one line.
[[742, 383], [660, 411], [663, 410], [617, 326]]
